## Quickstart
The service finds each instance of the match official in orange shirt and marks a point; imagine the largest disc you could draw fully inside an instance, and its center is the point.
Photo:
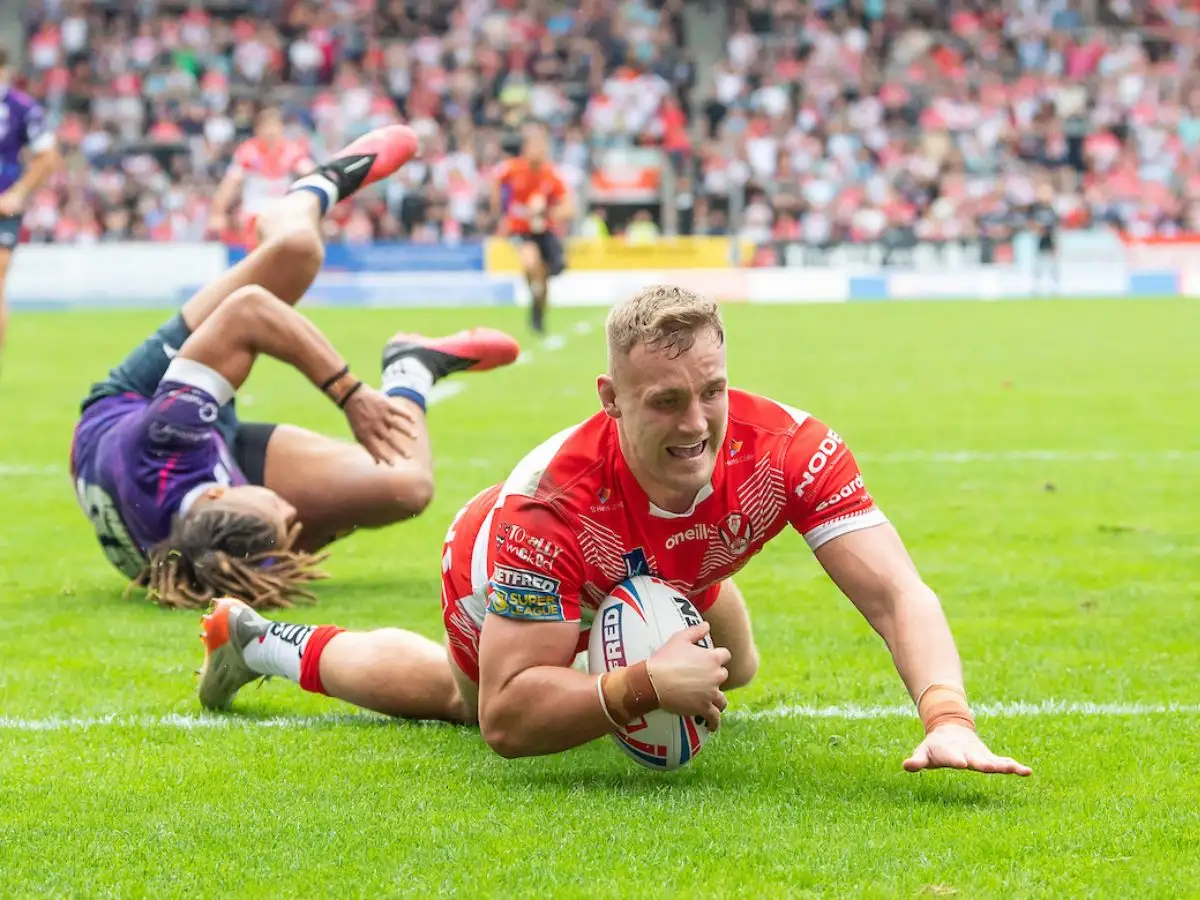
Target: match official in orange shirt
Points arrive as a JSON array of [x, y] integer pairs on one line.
[[534, 202]]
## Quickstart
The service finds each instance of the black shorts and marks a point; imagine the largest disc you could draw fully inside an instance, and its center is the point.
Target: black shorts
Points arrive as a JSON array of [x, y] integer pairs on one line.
[[142, 370], [551, 249], [10, 232]]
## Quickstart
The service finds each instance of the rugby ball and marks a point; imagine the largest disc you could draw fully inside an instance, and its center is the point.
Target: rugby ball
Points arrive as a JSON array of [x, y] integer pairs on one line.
[[637, 618]]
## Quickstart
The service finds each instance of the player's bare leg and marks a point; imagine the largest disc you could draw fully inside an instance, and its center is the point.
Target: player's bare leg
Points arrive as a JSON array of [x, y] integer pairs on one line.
[[390, 671], [5, 259], [291, 250], [286, 262], [730, 621], [394, 672], [538, 278]]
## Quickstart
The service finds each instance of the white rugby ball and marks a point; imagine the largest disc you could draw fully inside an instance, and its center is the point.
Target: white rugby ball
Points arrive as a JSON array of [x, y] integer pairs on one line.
[[637, 618]]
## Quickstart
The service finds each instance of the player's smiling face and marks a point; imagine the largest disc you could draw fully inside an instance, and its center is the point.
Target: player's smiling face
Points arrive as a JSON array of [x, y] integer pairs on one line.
[[672, 412]]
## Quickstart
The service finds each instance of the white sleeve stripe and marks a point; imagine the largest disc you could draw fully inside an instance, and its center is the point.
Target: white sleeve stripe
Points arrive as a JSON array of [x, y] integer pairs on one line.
[[198, 375], [42, 143], [826, 532]]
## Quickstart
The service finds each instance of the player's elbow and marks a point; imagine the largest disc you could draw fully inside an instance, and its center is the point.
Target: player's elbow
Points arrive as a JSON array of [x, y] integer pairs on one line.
[[742, 669], [502, 742], [501, 731]]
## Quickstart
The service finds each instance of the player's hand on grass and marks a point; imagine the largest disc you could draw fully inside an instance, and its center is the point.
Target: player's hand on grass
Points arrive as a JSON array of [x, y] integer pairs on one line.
[[12, 202], [955, 747], [688, 677], [381, 425]]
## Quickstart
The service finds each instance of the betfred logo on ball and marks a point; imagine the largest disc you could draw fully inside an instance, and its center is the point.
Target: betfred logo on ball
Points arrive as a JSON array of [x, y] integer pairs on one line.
[[634, 621]]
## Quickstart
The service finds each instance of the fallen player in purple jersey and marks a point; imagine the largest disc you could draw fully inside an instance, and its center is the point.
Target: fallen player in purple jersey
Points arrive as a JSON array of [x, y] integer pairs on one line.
[[192, 503], [22, 127]]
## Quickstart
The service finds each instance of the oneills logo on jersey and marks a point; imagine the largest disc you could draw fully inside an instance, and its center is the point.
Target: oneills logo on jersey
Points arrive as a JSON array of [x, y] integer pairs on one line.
[[735, 447], [736, 533]]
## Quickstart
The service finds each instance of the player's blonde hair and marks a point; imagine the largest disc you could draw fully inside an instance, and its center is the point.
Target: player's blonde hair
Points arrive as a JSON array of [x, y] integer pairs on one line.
[[663, 317]]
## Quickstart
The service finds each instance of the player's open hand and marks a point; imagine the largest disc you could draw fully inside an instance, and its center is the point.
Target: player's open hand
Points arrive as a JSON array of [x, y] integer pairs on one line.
[[688, 677], [12, 202], [385, 428], [955, 747]]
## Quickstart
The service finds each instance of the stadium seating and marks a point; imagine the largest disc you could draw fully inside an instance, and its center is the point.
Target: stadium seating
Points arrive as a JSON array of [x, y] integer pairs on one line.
[[822, 121]]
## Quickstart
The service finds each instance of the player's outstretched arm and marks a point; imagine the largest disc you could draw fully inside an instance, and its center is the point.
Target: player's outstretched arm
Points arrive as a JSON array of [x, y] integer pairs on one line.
[[253, 321], [874, 570]]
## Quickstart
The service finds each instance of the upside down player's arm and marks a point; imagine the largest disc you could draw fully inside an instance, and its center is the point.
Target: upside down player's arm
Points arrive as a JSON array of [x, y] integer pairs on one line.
[[254, 321], [530, 701]]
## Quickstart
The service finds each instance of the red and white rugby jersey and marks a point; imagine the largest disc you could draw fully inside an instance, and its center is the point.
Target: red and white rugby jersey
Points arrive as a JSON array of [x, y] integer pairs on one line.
[[267, 171], [571, 522]]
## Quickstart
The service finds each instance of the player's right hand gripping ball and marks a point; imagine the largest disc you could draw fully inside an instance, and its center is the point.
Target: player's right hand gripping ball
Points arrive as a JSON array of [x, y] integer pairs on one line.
[[634, 621]]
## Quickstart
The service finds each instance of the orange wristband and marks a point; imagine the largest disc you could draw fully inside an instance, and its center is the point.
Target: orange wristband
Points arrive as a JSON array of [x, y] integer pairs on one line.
[[941, 704], [628, 693]]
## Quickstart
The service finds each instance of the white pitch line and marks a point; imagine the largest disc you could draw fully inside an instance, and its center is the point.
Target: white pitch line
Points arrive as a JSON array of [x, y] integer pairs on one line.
[[787, 712], [19, 471], [445, 390], [1014, 709]]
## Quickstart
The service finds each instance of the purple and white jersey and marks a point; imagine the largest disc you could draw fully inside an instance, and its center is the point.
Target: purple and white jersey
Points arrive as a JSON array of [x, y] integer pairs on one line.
[[22, 124], [138, 463]]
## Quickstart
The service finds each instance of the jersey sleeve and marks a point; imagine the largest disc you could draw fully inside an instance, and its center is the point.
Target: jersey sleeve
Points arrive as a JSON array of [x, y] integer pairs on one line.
[[38, 136], [826, 494], [243, 159], [184, 409], [537, 568]]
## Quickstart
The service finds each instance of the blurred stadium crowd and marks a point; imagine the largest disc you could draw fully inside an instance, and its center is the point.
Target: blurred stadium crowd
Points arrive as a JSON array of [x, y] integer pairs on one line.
[[818, 120]]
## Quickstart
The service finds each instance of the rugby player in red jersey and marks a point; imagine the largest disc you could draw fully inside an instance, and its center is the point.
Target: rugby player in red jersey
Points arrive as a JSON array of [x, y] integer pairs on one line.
[[677, 476]]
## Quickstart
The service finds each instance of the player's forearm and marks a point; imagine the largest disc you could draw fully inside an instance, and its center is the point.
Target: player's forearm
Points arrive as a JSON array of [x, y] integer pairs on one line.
[[36, 173], [563, 212], [919, 638], [545, 709], [253, 322], [223, 198], [495, 203], [293, 339]]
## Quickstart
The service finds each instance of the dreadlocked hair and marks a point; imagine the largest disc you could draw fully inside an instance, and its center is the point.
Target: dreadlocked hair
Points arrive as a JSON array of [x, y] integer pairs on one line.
[[218, 553]]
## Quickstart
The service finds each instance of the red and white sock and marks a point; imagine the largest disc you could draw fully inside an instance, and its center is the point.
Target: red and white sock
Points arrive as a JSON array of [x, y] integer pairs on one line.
[[292, 652]]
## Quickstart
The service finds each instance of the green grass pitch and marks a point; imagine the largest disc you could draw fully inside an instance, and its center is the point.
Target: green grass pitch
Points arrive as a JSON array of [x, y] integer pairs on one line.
[[1041, 460]]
